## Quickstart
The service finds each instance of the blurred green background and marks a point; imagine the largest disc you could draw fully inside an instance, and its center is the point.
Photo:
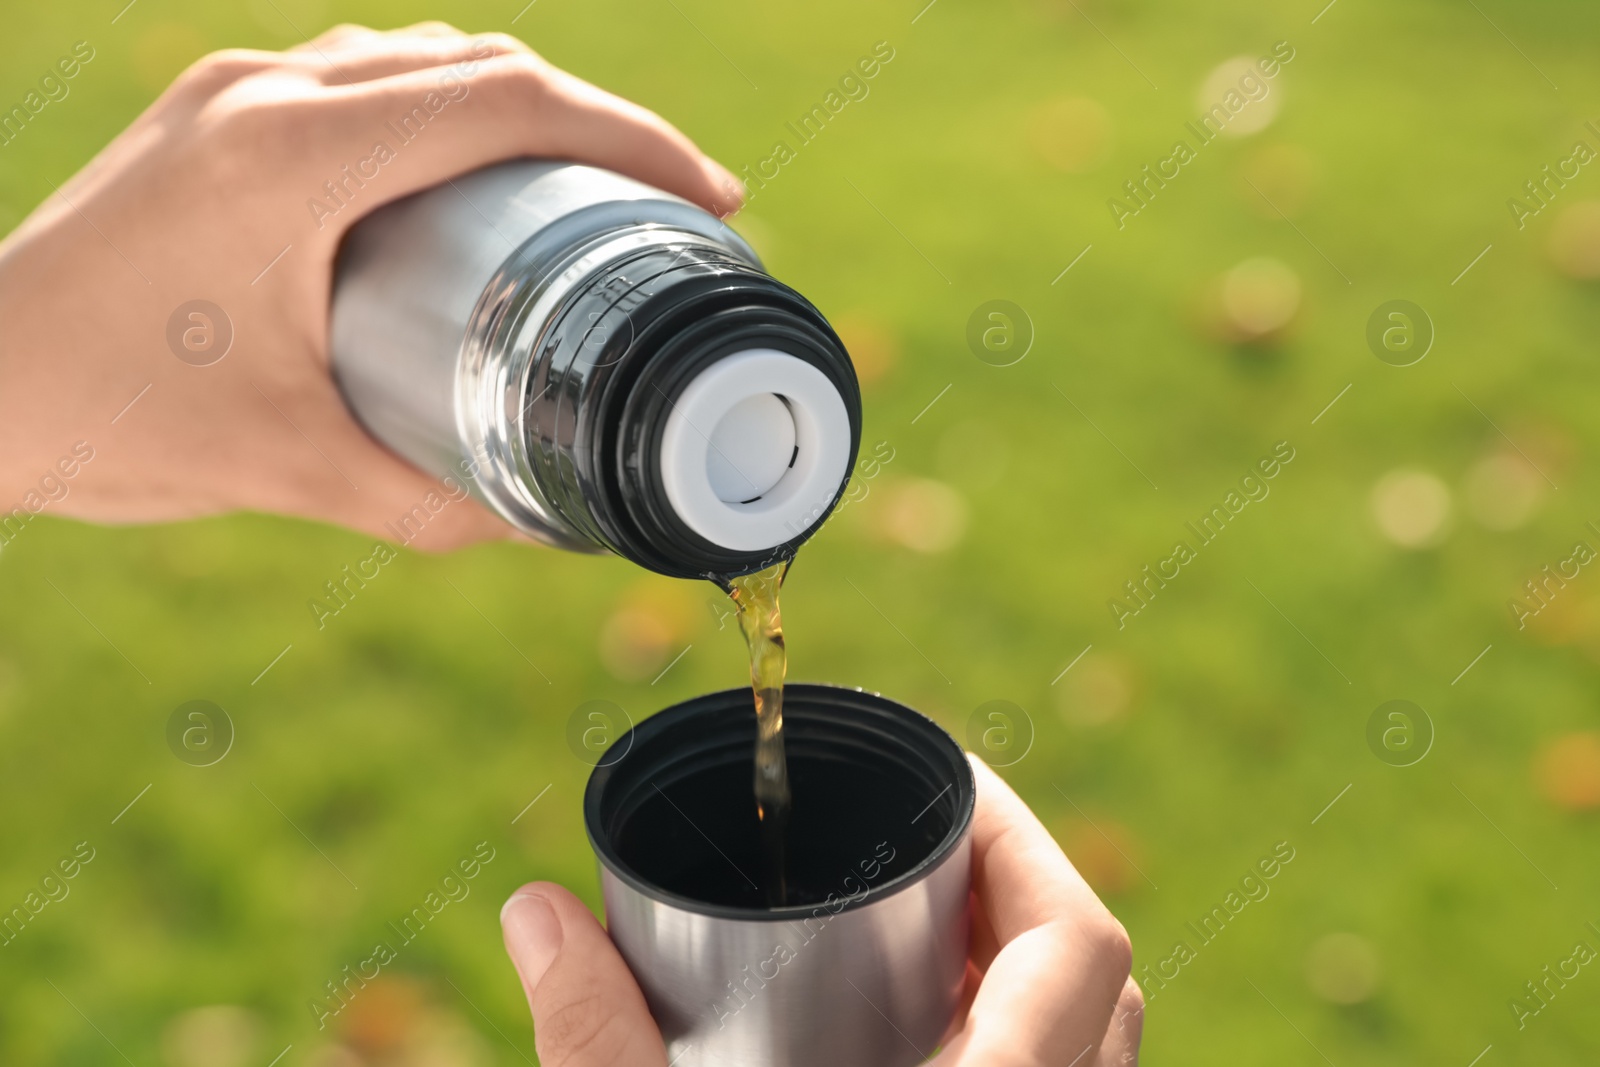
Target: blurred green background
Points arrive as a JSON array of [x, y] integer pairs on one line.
[[1223, 719]]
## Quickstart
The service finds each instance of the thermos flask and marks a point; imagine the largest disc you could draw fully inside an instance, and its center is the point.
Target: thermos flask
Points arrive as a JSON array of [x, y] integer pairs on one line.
[[864, 964], [603, 364]]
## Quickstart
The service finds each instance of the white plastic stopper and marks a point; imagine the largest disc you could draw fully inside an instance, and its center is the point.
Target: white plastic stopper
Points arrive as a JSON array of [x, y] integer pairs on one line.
[[755, 449]]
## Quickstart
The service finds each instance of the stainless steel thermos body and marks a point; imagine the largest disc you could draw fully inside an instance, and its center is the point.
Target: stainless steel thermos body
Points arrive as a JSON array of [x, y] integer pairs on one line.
[[866, 973], [605, 365]]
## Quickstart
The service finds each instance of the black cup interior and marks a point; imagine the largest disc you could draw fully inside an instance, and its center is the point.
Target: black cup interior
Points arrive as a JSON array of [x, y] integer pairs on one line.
[[881, 794]]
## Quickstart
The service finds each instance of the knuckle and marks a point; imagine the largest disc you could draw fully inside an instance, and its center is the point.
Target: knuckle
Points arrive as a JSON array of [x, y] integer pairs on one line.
[[228, 59], [1111, 945], [528, 67], [215, 71], [341, 30], [434, 28], [502, 44], [525, 77]]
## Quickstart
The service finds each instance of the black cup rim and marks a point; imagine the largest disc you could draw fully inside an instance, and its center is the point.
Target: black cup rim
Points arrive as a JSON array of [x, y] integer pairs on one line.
[[795, 693]]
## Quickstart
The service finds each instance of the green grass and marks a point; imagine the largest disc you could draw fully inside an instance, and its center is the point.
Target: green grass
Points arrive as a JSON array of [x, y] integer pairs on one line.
[[408, 731]]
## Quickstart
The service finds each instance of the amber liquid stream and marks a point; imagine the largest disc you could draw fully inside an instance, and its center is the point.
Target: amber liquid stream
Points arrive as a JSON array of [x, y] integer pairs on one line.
[[756, 596]]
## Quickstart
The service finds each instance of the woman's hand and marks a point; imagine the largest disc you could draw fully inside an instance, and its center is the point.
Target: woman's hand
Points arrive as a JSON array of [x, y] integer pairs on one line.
[[1047, 982], [219, 193], [1048, 979]]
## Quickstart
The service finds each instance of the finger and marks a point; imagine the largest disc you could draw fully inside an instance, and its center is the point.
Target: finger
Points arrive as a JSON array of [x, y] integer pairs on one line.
[[385, 55], [431, 28], [982, 944], [1121, 1045], [518, 105], [587, 1009], [1049, 992], [334, 37], [346, 32], [1021, 876], [970, 984]]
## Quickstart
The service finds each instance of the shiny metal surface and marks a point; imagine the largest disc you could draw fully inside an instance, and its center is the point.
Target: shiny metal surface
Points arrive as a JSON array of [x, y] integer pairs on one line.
[[868, 980], [445, 309]]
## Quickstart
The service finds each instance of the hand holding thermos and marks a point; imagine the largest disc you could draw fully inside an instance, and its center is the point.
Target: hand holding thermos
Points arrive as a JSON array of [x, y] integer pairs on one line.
[[208, 231]]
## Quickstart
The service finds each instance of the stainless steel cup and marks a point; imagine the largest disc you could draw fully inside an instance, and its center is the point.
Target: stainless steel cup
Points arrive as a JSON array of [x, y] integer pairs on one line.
[[863, 965]]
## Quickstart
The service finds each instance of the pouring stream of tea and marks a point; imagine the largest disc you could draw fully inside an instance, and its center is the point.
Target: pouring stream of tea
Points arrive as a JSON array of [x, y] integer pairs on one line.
[[756, 596]]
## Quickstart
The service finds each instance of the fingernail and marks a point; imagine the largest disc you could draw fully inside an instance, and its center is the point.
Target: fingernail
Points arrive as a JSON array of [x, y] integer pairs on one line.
[[533, 935]]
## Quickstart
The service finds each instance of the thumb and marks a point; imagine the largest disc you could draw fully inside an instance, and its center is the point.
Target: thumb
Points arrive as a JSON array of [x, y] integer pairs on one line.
[[587, 1009]]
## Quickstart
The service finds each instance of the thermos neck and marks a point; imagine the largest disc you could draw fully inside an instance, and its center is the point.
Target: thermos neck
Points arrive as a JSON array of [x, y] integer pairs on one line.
[[689, 412]]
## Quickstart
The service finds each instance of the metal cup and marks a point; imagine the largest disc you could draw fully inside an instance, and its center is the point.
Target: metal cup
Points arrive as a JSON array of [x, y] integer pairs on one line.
[[863, 964]]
